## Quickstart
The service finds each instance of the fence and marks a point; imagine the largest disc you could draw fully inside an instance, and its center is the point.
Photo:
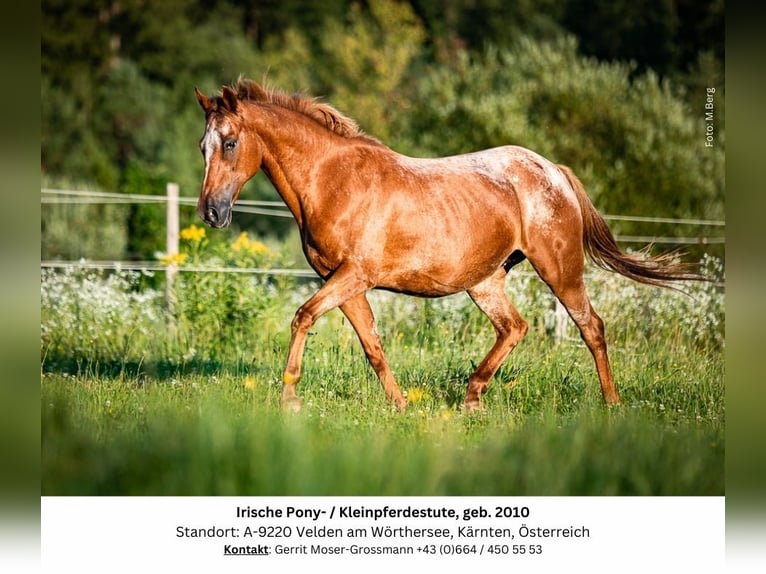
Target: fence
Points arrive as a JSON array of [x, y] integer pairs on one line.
[[173, 201]]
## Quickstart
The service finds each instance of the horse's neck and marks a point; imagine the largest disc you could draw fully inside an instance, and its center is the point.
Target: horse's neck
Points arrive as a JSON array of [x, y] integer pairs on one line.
[[294, 148]]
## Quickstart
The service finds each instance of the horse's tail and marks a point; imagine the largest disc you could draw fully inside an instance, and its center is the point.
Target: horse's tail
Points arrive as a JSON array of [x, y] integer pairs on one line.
[[601, 247]]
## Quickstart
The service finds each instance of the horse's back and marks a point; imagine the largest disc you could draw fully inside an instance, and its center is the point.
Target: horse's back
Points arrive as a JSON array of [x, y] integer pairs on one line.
[[511, 182], [441, 225], [546, 202]]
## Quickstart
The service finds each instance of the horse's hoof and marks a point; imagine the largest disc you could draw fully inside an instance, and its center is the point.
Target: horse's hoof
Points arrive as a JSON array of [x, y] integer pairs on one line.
[[291, 404], [612, 399], [401, 404], [473, 407]]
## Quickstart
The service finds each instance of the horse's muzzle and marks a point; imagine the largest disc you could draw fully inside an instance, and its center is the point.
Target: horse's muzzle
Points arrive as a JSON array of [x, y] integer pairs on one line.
[[216, 214]]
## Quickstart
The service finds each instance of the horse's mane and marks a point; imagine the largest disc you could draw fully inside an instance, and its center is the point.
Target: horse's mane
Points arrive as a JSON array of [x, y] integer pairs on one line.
[[322, 113]]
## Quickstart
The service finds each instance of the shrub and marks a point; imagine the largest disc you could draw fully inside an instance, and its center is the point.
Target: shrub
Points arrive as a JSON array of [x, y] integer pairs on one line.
[[90, 317], [635, 144], [227, 313]]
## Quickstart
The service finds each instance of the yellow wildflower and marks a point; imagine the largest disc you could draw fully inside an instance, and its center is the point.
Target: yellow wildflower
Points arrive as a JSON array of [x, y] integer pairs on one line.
[[415, 395], [193, 233], [243, 244], [249, 382], [173, 259]]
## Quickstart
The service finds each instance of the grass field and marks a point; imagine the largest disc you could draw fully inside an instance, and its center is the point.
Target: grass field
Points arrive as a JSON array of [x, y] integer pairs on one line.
[[136, 404]]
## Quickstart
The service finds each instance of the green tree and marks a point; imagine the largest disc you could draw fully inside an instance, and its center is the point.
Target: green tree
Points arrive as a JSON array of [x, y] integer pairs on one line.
[[132, 116], [76, 44], [643, 31], [665, 36], [429, 78], [69, 146], [635, 144], [500, 23], [368, 61], [267, 22]]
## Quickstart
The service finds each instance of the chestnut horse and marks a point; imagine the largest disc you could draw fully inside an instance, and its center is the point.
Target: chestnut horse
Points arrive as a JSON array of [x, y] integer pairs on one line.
[[372, 218]]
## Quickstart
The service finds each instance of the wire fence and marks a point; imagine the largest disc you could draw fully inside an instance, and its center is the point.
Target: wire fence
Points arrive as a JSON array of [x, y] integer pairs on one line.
[[278, 209], [65, 196], [173, 201], [157, 266]]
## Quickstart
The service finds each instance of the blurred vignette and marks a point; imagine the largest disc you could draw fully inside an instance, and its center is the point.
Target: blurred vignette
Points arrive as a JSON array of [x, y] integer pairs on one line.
[[19, 299], [745, 460]]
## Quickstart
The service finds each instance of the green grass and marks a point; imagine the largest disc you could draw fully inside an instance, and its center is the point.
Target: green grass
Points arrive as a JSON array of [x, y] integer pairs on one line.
[[136, 403], [544, 430]]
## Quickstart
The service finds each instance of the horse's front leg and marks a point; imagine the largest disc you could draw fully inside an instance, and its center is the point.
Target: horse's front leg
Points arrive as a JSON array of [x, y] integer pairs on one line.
[[344, 284]]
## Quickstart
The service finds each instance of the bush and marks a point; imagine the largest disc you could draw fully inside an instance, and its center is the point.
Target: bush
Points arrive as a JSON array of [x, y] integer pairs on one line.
[[71, 231], [231, 305], [228, 314], [637, 147], [91, 318]]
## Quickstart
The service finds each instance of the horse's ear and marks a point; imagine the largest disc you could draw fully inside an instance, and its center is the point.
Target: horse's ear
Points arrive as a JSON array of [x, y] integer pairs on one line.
[[229, 99], [203, 100]]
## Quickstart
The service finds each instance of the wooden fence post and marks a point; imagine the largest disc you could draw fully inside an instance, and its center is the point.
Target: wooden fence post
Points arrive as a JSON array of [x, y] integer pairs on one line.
[[171, 245], [562, 320]]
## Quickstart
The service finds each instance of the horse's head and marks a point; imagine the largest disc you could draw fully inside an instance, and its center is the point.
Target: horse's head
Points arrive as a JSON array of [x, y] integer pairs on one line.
[[232, 156]]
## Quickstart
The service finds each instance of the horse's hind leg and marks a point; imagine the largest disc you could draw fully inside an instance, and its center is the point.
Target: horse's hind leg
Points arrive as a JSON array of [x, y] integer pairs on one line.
[[510, 328], [564, 275], [357, 310]]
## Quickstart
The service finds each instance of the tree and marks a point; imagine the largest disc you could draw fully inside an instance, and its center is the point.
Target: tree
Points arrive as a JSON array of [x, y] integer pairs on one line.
[[664, 36], [426, 77], [367, 61], [635, 144]]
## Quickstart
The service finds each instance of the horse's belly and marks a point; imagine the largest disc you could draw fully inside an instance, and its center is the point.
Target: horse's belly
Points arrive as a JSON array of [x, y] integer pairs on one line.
[[447, 271]]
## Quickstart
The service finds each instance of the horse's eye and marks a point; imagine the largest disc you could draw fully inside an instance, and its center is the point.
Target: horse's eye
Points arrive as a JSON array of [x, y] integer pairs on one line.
[[230, 144]]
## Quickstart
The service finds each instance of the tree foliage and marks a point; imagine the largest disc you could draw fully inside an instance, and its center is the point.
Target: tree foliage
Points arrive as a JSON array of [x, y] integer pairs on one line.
[[621, 100], [637, 146]]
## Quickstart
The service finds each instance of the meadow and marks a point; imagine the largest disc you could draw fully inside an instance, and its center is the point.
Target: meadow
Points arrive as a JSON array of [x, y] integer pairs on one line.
[[137, 400]]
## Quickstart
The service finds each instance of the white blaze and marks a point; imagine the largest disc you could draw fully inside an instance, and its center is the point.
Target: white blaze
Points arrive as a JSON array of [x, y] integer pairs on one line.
[[210, 142]]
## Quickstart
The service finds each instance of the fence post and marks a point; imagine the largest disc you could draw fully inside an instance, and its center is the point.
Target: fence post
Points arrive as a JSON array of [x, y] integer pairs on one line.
[[562, 320], [171, 244]]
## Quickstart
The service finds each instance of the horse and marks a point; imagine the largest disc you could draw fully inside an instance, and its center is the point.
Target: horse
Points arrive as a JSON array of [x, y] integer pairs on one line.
[[371, 218]]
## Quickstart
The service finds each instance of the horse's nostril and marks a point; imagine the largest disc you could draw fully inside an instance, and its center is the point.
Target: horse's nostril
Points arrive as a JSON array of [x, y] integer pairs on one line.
[[211, 215]]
